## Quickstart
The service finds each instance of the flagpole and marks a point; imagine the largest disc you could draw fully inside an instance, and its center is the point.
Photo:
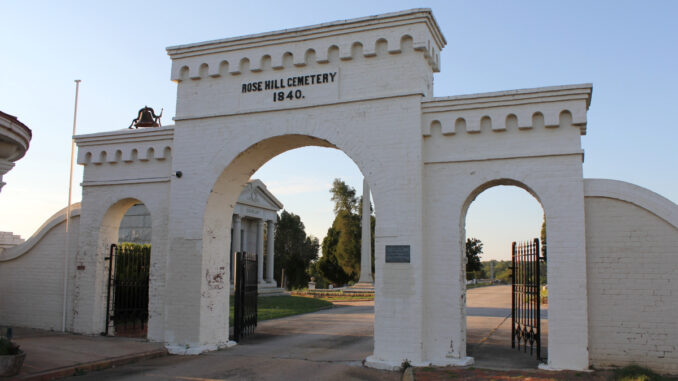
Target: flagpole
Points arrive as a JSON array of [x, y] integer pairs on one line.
[[68, 211]]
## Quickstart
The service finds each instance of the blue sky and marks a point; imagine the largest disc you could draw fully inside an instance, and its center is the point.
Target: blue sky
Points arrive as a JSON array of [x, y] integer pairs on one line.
[[628, 50]]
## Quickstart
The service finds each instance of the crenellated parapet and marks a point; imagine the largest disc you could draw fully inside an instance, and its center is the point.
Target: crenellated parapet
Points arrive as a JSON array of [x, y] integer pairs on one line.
[[299, 47], [546, 107], [143, 155], [126, 146], [385, 56], [547, 121]]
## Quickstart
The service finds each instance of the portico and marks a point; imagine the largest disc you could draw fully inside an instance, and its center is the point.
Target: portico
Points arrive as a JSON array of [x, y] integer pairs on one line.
[[253, 229]]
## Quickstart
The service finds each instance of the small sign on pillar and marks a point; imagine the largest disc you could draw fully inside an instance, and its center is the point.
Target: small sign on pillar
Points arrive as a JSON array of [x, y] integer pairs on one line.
[[397, 253]]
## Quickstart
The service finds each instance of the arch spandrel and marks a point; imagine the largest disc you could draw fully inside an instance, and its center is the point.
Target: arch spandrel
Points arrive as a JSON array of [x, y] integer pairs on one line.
[[378, 136]]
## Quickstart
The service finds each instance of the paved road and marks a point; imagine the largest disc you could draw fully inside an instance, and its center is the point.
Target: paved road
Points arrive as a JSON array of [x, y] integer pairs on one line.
[[494, 301], [327, 345], [489, 330]]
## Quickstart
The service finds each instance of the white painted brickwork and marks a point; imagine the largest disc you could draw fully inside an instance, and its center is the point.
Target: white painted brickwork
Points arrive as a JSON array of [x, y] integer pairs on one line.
[[632, 240], [32, 275], [425, 160]]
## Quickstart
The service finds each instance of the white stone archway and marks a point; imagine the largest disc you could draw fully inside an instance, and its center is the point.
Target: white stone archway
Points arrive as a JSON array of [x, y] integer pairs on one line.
[[365, 86]]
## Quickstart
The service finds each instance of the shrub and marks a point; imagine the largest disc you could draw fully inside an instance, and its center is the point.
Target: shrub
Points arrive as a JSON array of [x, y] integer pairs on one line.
[[7, 347], [636, 373]]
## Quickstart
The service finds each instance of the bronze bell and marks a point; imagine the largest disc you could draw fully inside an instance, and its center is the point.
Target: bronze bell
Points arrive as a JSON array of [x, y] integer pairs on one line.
[[147, 118]]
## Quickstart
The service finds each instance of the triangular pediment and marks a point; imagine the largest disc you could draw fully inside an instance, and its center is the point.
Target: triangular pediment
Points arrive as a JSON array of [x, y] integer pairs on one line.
[[256, 195]]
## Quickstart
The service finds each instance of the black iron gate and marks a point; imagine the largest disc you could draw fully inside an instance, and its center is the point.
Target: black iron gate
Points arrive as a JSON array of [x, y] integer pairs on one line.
[[127, 296], [245, 296], [525, 298]]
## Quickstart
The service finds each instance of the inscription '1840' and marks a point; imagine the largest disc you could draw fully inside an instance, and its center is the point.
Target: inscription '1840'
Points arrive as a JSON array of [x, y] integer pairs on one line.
[[288, 89]]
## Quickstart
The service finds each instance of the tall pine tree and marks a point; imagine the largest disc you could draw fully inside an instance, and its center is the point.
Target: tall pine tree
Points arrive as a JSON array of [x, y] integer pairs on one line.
[[294, 251], [340, 262]]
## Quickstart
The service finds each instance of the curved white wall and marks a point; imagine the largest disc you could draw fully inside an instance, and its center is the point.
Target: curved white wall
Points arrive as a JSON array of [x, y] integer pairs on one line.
[[32, 275], [632, 265]]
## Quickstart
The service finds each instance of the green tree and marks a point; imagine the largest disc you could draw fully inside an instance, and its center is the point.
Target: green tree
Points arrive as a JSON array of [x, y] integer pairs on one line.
[[327, 265], [347, 250], [503, 272], [473, 250], [542, 264], [314, 273], [344, 197], [294, 251], [341, 246], [346, 247]]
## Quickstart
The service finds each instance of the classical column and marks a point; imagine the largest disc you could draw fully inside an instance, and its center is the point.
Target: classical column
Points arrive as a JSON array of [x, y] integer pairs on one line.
[[366, 241], [236, 233], [270, 241], [260, 250], [235, 244], [243, 244]]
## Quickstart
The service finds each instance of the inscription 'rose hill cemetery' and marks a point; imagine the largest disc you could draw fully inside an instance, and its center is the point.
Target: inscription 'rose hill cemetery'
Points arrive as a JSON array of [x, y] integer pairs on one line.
[[288, 89]]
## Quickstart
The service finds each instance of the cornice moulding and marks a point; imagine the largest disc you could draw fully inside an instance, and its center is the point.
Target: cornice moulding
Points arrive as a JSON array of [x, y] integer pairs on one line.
[[125, 136], [329, 29], [510, 98]]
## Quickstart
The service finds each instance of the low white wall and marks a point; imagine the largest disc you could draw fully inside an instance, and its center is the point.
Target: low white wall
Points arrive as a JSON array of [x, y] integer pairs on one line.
[[632, 264], [32, 275]]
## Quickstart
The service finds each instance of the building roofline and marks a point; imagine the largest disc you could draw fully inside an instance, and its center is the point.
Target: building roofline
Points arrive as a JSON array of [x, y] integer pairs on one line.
[[310, 32]]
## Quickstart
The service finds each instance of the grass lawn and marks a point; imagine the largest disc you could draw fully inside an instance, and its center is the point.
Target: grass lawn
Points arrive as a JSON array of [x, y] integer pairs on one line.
[[334, 296], [272, 307], [348, 298]]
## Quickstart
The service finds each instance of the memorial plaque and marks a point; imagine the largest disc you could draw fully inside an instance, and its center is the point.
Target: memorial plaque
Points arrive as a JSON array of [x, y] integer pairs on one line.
[[397, 253]]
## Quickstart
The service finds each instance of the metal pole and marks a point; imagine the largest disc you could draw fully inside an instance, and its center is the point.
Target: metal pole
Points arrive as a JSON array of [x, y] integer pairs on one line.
[[513, 295], [68, 211]]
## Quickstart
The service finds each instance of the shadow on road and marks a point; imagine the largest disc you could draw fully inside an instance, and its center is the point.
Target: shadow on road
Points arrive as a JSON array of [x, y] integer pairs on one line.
[[488, 330]]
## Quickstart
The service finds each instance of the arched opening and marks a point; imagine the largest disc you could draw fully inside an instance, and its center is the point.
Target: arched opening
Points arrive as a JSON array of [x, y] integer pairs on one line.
[[503, 292], [234, 220], [126, 233]]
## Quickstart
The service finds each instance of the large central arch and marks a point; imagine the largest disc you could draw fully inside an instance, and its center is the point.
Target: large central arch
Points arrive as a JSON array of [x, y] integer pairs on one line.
[[220, 205], [233, 147]]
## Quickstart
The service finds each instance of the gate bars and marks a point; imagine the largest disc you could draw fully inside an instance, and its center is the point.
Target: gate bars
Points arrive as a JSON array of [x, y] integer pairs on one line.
[[525, 298], [245, 295], [127, 294]]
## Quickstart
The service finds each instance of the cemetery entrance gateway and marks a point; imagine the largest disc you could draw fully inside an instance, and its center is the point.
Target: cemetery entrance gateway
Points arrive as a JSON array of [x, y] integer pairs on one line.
[[421, 155]]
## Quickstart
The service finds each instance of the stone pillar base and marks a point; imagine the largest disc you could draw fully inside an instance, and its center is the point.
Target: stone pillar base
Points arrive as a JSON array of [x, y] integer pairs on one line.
[[362, 287]]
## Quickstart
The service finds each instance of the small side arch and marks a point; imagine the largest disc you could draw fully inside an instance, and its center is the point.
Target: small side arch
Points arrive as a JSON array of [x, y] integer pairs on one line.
[[493, 183]]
